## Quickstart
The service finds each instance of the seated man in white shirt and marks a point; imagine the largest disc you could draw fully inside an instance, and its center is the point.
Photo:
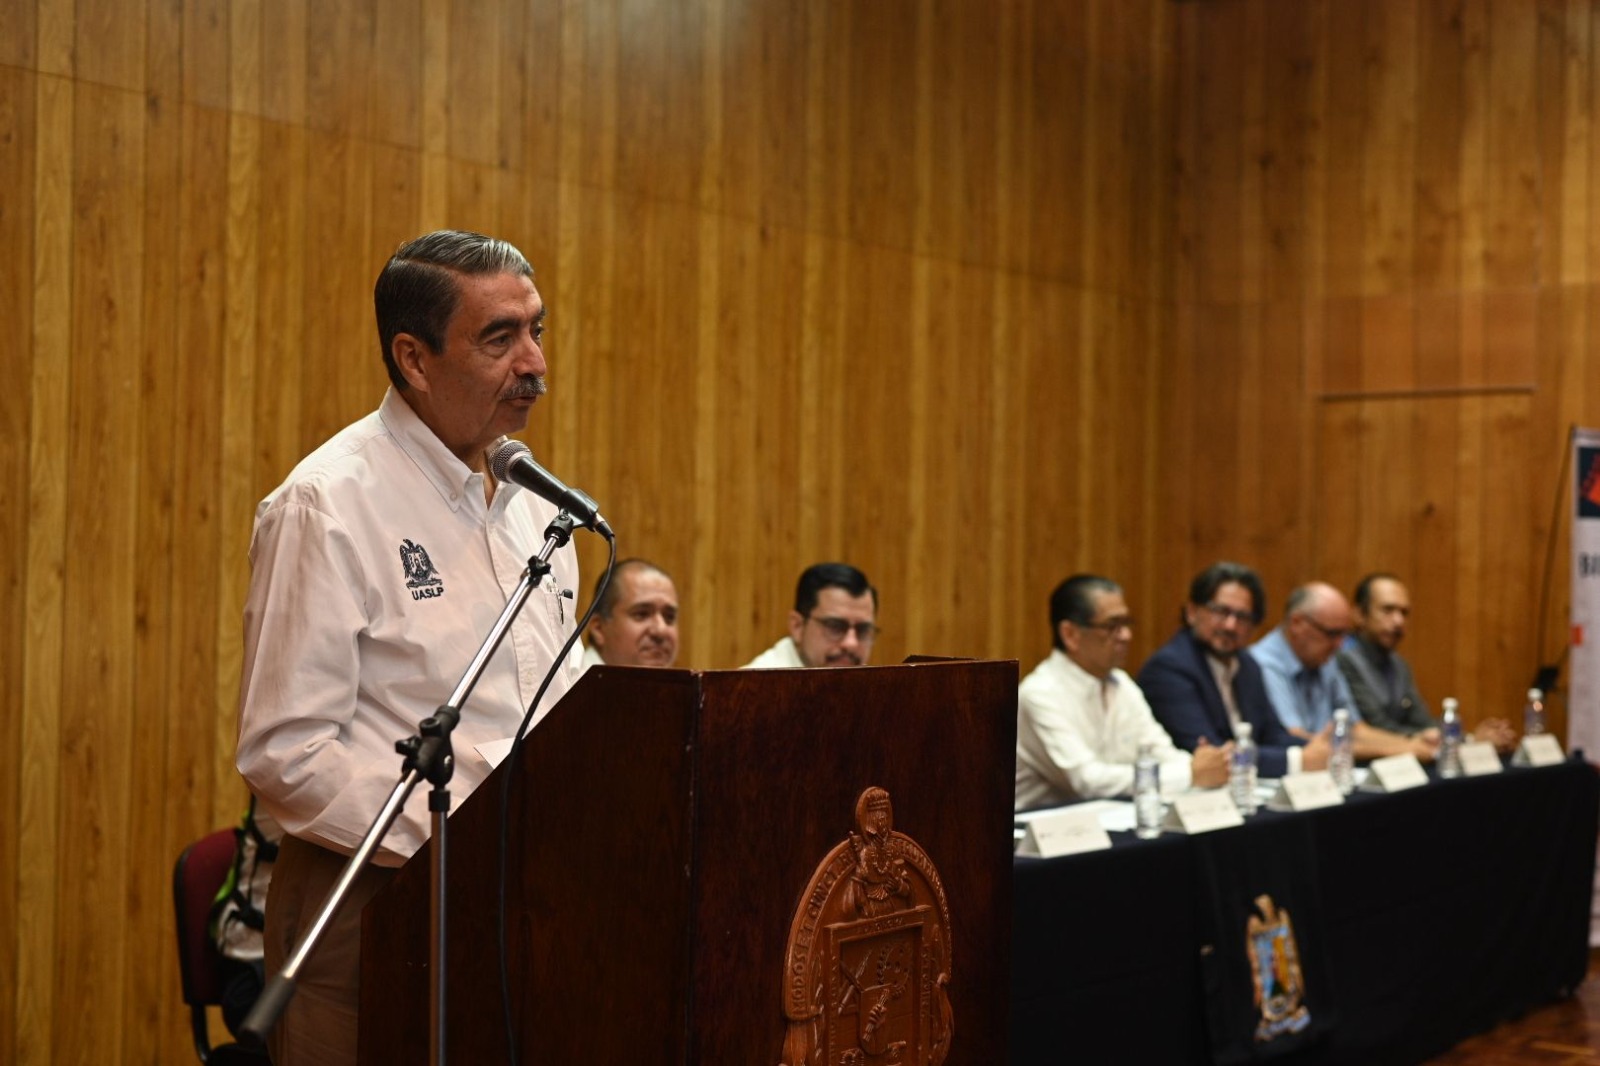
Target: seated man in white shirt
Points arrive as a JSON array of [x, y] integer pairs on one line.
[[636, 620], [1080, 717], [834, 621]]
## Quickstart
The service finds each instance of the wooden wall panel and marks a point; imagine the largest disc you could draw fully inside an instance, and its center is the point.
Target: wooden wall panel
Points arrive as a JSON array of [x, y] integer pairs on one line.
[[1513, 164], [39, 794], [973, 295], [1432, 259], [163, 407], [17, 104], [883, 282], [97, 718], [18, 35], [1437, 152], [279, 36]]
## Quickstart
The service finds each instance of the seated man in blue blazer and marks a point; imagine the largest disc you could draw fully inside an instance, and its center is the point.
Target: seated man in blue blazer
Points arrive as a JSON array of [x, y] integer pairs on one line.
[[1199, 684]]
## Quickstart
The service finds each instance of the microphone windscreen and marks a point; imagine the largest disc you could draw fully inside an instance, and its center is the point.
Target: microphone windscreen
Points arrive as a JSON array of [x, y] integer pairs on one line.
[[504, 454]]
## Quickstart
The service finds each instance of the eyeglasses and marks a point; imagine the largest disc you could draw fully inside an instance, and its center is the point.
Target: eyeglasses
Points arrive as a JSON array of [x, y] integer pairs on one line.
[[1328, 631], [1111, 626], [1222, 612], [838, 628]]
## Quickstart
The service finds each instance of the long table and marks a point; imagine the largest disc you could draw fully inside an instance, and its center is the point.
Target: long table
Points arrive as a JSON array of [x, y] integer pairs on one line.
[[1418, 919]]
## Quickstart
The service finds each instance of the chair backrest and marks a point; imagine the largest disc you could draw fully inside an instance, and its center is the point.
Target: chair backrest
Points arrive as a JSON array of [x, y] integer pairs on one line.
[[196, 879]]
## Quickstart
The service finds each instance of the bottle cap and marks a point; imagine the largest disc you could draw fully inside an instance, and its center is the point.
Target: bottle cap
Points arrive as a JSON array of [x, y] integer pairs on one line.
[[1450, 703], [1535, 694], [1243, 730]]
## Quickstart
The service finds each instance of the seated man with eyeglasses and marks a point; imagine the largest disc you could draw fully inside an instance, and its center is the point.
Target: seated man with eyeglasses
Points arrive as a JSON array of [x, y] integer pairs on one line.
[[1080, 718], [834, 621], [1201, 688], [1299, 665]]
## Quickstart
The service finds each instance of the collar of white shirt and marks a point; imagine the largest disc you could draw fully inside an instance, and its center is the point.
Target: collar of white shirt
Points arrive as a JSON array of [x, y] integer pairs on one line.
[[453, 479]]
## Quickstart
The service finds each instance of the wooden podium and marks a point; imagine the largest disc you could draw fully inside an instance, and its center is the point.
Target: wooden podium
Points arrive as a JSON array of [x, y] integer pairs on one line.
[[664, 826]]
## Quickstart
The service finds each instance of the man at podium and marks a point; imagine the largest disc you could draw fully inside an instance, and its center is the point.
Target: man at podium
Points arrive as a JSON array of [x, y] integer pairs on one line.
[[834, 621], [374, 568]]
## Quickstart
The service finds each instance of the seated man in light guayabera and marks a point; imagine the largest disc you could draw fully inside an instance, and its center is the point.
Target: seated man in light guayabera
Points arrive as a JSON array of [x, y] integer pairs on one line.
[[833, 623], [1080, 718]]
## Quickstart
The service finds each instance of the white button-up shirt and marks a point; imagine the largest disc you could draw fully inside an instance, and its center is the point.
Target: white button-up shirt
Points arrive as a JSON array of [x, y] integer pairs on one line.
[[377, 569], [1078, 736]]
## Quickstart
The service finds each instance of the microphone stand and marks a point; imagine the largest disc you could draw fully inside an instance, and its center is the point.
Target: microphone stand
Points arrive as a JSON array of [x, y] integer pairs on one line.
[[428, 755]]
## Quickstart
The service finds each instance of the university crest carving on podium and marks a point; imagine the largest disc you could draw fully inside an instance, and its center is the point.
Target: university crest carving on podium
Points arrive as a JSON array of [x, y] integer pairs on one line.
[[867, 972]]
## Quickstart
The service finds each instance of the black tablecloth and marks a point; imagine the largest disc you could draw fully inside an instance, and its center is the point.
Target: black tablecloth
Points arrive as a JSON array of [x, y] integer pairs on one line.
[[1420, 919]]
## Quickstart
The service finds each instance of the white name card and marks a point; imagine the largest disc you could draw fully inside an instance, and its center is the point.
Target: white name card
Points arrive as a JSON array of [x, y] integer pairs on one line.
[[1395, 773], [1541, 749], [494, 752], [1306, 792], [1479, 758], [1201, 812], [1064, 832]]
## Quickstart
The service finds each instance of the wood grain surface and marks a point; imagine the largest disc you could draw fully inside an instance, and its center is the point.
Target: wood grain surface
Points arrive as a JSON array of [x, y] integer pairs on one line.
[[971, 293]]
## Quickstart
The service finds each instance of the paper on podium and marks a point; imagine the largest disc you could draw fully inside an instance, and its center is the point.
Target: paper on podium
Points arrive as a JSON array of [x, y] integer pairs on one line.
[[494, 752]]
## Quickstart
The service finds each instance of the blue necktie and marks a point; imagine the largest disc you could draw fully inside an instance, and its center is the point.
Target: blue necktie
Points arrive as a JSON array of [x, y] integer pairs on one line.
[[1311, 697]]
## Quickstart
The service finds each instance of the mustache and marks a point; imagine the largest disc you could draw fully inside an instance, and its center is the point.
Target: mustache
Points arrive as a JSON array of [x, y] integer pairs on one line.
[[528, 387]]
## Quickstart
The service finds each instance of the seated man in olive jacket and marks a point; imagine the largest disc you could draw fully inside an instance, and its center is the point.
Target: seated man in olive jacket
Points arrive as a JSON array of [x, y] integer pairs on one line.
[[1198, 684]]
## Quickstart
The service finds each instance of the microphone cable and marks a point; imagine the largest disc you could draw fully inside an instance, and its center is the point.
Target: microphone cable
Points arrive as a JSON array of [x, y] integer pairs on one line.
[[510, 764]]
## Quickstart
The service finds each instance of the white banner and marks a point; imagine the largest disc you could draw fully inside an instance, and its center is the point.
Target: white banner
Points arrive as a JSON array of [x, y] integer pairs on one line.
[[1583, 654], [1583, 658]]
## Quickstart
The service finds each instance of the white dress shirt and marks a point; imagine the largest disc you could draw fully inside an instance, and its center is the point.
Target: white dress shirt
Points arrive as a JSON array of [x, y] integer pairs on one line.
[[377, 569], [783, 655], [1078, 736]]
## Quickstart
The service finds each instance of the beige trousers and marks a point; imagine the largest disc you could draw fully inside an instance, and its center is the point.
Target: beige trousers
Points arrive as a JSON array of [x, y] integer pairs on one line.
[[318, 1028]]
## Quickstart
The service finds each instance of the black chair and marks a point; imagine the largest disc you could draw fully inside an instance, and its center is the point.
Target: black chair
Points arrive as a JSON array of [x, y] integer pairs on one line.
[[196, 879]]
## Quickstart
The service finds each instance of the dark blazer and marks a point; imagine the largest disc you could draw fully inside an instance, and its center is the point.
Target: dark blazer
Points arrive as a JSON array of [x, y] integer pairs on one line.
[[1178, 683]]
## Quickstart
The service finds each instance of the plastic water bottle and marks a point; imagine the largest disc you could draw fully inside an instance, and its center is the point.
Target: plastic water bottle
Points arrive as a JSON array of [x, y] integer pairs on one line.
[[1450, 740], [1242, 769], [1533, 714], [1147, 793], [1342, 757]]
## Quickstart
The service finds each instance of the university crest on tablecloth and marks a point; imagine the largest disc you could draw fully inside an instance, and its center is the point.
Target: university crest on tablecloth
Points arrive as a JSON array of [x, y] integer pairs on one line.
[[1280, 987]]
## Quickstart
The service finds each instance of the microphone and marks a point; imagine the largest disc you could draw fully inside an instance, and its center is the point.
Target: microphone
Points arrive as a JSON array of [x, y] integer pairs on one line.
[[512, 461]]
